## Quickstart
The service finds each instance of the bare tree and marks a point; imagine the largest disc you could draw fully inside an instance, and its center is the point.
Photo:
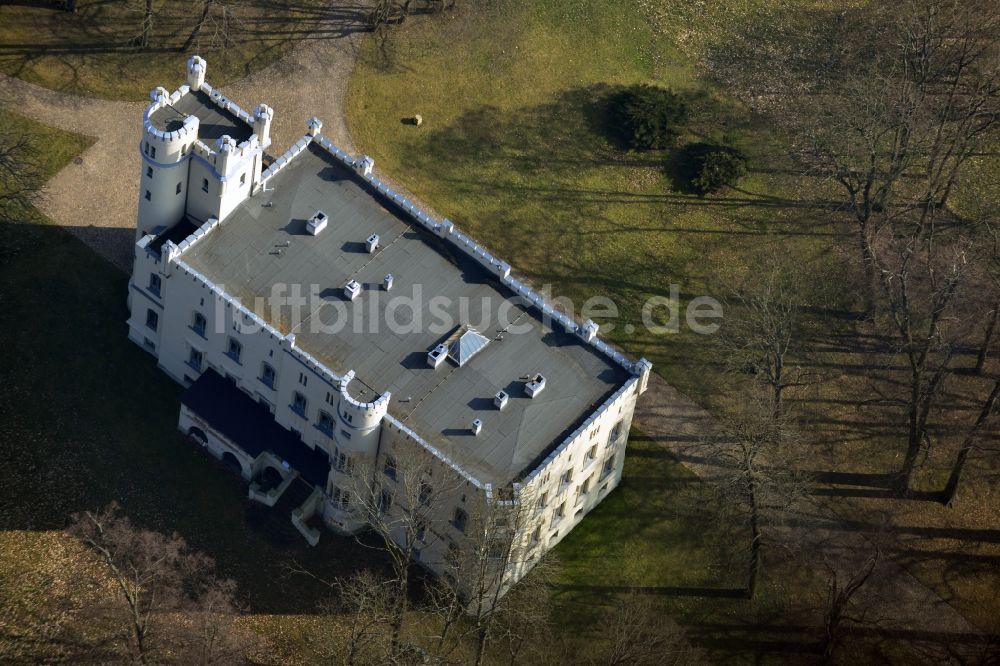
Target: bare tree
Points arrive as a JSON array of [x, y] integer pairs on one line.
[[900, 130], [986, 415], [146, 30], [840, 604], [19, 173], [163, 597], [403, 499], [757, 446], [218, 20], [638, 634], [763, 326]]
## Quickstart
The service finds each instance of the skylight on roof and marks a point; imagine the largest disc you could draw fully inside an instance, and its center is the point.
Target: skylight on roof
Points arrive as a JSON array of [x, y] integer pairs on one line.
[[469, 343]]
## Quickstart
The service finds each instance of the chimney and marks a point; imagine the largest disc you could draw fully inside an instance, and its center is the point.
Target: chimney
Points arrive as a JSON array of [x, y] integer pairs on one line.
[[372, 243], [535, 386], [352, 290], [387, 282], [500, 399], [477, 427]]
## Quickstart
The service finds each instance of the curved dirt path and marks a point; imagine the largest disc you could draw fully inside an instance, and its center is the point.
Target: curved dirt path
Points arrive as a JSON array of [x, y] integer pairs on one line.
[[96, 196]]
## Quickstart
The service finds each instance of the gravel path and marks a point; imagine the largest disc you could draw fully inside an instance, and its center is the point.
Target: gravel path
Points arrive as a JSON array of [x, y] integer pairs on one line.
[[96, 197]]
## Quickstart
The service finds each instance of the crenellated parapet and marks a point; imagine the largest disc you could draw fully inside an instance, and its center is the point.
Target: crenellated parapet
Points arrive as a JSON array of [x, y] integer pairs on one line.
[[587, 332]]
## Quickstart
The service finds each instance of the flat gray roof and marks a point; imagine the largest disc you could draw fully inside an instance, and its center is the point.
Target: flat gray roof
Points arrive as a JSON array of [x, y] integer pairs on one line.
[[214, 122], [242, 254]]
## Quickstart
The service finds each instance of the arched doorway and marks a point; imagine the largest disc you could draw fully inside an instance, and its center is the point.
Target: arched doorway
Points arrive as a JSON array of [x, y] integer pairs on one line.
[[232, 463], [198, 435]]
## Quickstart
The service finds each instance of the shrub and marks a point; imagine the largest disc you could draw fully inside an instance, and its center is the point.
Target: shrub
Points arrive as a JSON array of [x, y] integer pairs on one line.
[[718, 167], [647, 117]]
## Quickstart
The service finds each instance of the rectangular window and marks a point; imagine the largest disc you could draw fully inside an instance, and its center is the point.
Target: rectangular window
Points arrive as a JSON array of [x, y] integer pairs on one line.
[[609, 467], [178, 188], [616, 432], [340, 461], [592, 452], [198, 324], [267, 375], [303, 379], [299, 403], [145, 148], [149, 197], [567, 477], [152, 319], [152, 152], [543, 501], [460, 519], [195, 359], [243, 179], [390, 468], [234, 350], [154, 284], [326, 423], [204, 184], [345, 434], [329, 399], [384, 502], [536, 535], [149, 172], [560, 512]]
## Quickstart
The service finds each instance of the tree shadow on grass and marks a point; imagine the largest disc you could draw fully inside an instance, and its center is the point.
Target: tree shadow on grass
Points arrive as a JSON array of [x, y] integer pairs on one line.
[[91, 419]]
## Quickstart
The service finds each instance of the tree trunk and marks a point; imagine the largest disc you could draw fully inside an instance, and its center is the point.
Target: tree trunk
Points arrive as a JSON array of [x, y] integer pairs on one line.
[[205, 9], [481, 639], [147, 25], [871, 280], [950, 492], [399, 614], [988, 340], [754, 545]]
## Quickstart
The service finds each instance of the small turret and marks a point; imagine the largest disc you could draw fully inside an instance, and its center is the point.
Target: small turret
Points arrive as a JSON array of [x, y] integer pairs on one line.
[[262, 117], [196, 67], [361, 419], [314, 125]]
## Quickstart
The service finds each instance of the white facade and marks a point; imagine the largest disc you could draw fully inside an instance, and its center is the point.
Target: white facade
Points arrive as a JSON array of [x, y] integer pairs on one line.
[[192, 325]]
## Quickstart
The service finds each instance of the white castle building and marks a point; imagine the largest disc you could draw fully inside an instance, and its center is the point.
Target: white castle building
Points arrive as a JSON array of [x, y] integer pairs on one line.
[[535, 409]]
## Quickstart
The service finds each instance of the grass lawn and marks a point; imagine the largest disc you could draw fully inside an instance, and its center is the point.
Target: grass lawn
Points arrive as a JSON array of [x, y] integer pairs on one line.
[[90, 53], [513, 149], [650, 532]]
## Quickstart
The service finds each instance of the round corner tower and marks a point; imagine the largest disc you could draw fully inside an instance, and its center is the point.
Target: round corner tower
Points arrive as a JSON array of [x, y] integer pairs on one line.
[[359, 422], [166, 141]]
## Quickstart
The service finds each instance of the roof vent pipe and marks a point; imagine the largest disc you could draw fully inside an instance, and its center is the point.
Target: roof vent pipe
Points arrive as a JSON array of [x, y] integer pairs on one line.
[[387, 282]]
